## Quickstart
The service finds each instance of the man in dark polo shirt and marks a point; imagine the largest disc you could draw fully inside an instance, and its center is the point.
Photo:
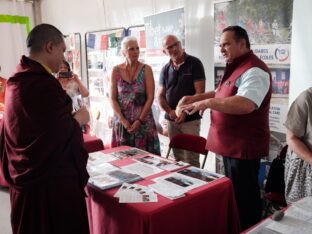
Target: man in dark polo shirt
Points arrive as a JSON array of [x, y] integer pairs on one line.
[[183, 75]]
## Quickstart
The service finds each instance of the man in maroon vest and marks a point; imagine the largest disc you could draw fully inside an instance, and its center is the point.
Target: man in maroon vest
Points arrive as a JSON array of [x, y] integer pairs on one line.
[[239, 129], [41, 145]]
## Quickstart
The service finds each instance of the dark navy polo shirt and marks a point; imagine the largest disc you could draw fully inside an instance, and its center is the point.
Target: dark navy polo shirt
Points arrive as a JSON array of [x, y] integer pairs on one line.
[[179, 83]]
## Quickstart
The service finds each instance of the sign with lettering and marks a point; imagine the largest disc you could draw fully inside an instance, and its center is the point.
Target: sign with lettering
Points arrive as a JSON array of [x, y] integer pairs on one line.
[[270, 54], [159, 25]]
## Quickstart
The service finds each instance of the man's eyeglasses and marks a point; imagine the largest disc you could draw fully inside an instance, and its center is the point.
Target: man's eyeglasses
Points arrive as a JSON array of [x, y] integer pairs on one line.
[[171, 47], [133, 48]]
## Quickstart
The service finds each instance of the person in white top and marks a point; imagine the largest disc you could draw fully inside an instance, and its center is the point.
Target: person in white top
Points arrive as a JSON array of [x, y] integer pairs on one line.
[[72, 84]]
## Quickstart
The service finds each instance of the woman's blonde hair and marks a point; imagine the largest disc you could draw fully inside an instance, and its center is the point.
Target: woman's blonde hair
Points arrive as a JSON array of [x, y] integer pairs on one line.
[[125, 41]]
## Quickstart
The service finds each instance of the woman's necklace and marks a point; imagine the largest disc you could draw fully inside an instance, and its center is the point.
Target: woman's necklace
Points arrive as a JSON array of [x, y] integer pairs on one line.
[[131, 71]]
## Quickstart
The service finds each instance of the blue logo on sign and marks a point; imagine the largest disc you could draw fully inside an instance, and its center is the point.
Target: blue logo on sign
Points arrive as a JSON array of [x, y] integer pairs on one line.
[[281, 54]]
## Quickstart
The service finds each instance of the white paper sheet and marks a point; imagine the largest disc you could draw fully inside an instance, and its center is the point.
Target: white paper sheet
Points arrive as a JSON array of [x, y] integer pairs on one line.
[[141, 169]]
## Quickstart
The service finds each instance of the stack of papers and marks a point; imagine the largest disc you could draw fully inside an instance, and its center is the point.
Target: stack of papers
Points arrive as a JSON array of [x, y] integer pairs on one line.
[[161, 163], [174, 185], [167, 191], [98, 157], [113, 178], [98, 163], [141, 169], [128, 153], [99, 169], [134, 193], [200, 174]]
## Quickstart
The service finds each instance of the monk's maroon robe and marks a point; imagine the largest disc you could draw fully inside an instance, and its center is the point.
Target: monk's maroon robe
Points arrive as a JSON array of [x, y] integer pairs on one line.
[[42, 154]]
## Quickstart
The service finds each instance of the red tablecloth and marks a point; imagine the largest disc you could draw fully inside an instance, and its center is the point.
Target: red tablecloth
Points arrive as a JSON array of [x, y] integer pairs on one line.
[[208, 209], [92, 143]]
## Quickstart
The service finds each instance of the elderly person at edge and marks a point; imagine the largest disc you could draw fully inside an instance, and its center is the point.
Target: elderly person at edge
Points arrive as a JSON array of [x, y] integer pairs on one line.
[[298, 165]]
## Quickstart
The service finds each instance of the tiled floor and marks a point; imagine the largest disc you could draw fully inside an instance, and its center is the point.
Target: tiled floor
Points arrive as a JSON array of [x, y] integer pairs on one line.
[[5, 227]]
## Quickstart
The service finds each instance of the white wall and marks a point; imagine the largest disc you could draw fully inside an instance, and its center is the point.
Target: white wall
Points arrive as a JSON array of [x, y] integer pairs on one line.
[[301, 49], [13, 35], [199, 42]]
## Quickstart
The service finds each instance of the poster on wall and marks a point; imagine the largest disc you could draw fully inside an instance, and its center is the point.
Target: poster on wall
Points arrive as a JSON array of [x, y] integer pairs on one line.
[[156, 28], [73, 52], [159, 25], [269, 26], [103, 53]]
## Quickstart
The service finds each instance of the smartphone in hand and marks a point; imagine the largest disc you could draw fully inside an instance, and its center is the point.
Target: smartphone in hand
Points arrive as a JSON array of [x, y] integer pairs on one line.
[[67, 74]]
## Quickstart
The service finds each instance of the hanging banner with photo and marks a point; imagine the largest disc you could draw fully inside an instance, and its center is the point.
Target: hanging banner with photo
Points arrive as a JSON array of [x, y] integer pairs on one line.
[[156, 28], [269, 26]]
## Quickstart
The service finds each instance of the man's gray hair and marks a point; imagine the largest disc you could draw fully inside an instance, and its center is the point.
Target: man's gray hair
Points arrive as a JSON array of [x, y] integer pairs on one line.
[[125, 42], [42, 34]]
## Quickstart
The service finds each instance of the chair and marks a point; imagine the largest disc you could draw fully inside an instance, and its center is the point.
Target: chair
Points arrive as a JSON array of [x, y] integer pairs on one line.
[[189, 142], [275, 185]]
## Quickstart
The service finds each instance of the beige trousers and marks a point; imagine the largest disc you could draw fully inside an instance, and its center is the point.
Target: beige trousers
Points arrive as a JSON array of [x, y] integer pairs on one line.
[[191, 127]]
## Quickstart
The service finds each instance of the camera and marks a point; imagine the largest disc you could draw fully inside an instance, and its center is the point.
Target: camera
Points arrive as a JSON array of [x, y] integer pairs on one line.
[[67, 74]]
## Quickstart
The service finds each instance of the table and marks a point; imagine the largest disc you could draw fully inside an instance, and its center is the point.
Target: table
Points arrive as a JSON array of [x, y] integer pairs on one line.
[[297, 219], [207, 209]]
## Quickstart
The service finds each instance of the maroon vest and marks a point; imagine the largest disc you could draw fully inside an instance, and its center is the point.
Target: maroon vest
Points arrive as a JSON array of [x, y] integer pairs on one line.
[[240, 136]]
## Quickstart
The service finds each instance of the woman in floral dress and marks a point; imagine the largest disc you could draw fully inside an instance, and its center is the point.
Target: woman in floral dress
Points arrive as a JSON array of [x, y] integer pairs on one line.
[[132, 95]]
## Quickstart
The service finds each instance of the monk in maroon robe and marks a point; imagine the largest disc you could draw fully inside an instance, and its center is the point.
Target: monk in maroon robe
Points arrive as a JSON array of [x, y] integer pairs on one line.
[[41, 147], [2, 92]]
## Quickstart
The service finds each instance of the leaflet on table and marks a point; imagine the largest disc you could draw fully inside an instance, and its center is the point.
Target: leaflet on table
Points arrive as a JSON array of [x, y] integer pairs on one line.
[[162, 163], [99, 169], [200, 174], [133, 193], [113, 178], [128, 153], [99, 158], [141, 169], [179, 182], [167, 190]]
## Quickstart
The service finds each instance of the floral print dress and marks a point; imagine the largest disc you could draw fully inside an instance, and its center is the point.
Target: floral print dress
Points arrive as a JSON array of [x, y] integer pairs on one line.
[[131, 97]]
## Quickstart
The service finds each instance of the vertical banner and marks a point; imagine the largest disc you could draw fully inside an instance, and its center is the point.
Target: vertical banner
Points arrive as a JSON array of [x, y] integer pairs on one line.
[[159, 25], [73, 52], [156, 28], [269, 26]]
